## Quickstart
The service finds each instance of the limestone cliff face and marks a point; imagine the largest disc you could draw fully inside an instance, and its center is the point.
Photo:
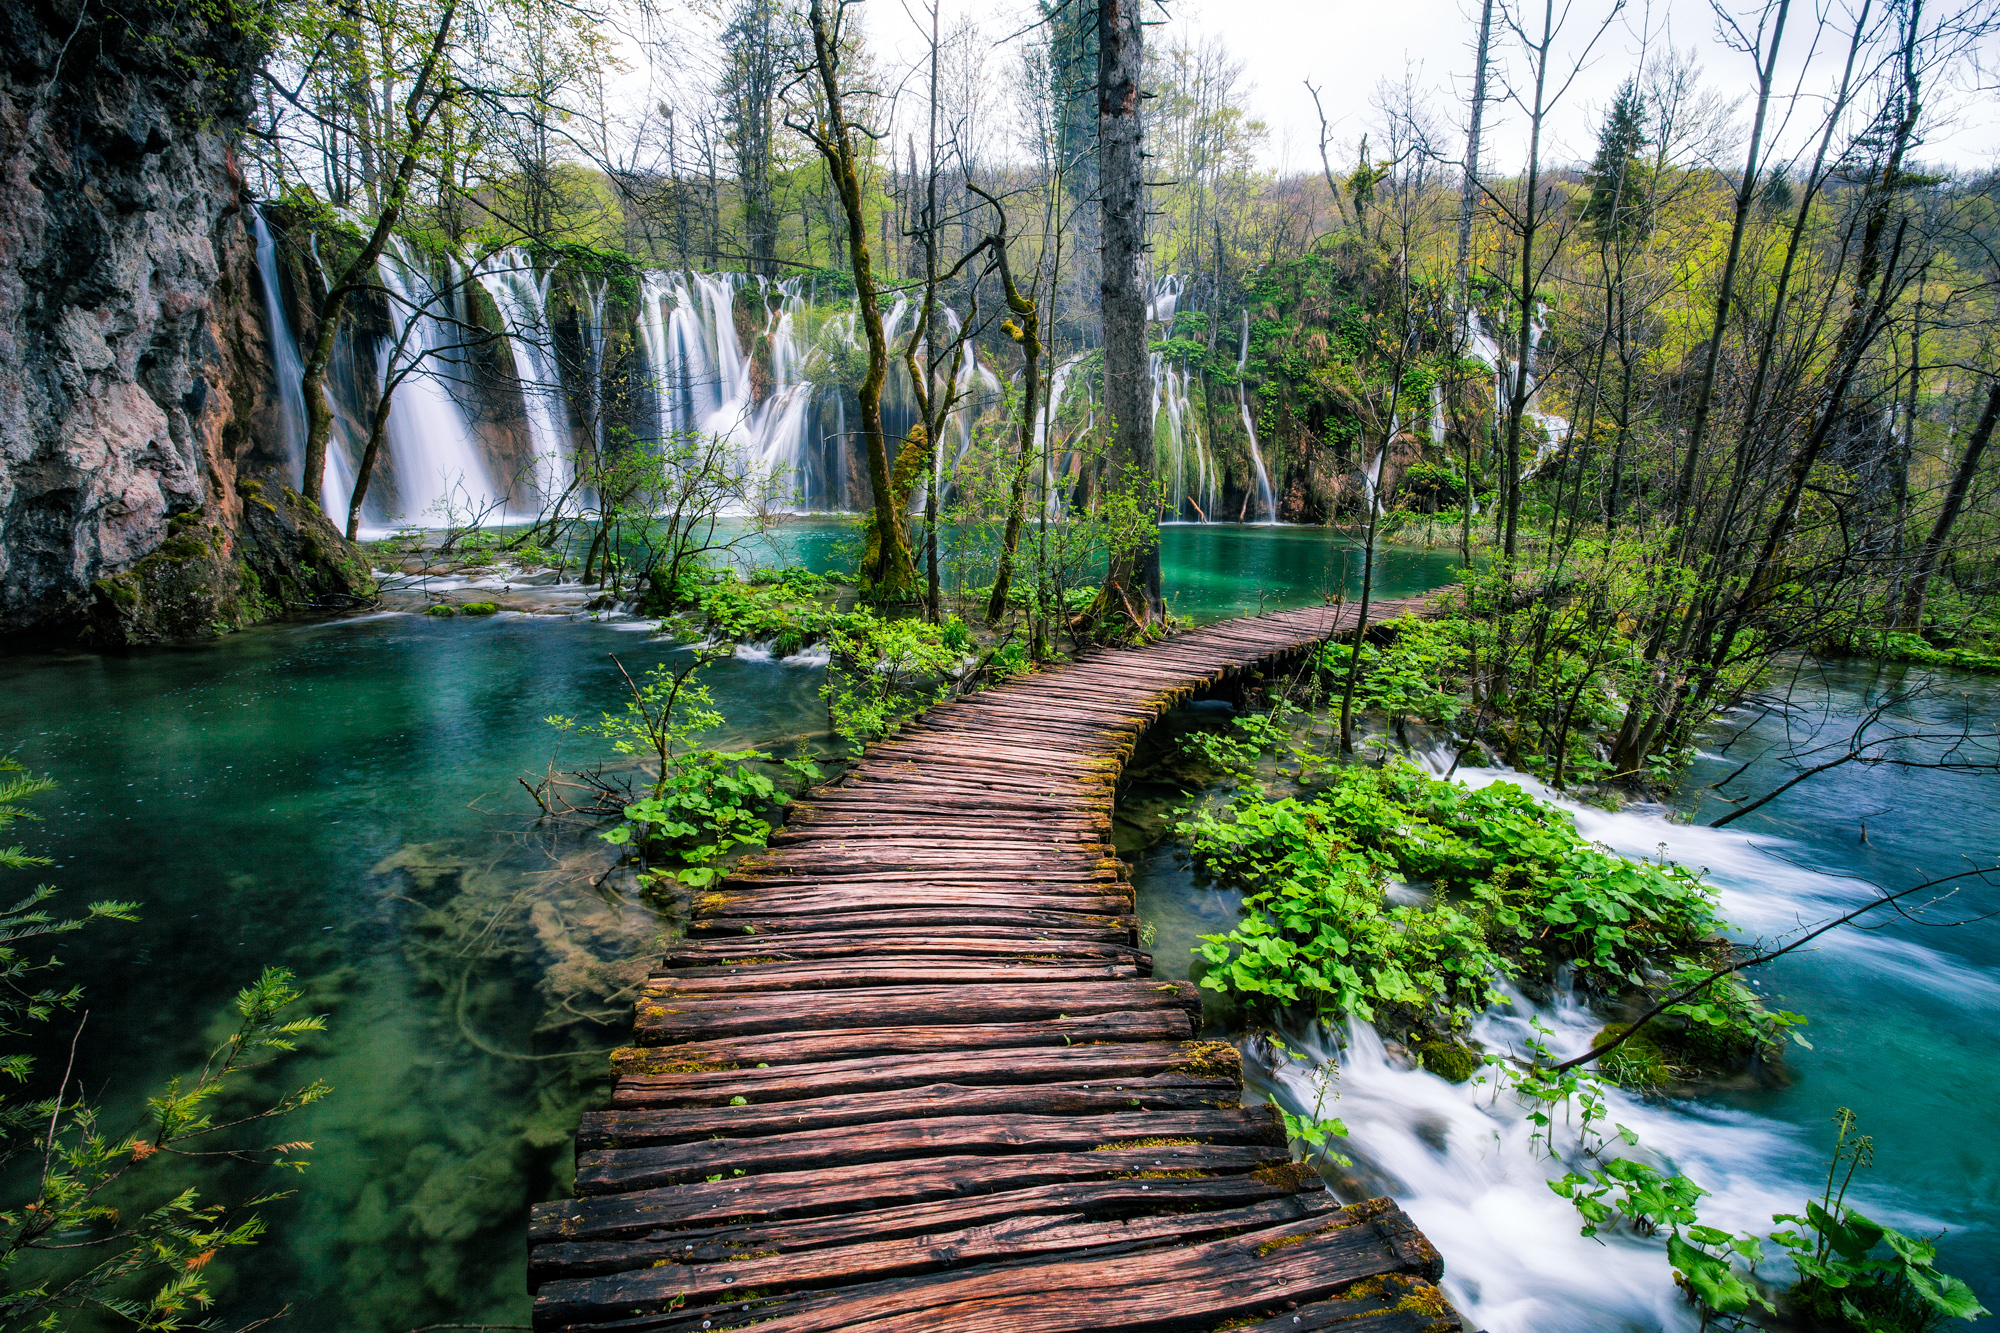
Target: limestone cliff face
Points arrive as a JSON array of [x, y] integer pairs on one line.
[[134, 388]]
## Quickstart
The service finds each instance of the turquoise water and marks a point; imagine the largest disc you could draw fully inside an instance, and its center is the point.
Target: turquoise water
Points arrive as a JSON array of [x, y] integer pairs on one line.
[[341, 799]]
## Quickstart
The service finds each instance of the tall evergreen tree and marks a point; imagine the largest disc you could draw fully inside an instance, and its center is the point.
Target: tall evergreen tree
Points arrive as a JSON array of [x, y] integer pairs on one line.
[[1616, 209]]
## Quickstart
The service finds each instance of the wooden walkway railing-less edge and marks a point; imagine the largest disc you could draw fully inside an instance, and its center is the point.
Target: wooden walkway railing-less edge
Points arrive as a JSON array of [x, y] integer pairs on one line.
[[909, 1069]]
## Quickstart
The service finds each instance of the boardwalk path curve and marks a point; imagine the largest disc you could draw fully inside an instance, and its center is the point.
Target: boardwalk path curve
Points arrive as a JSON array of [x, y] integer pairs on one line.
[[909, 1070]]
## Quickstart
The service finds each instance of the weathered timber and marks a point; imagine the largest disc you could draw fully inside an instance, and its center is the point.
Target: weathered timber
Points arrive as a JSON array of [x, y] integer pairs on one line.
[[684, 1019], [1110, 1047], [1121, 1197], [602, 1171], [880, 1184], [636, 1129], [704, 1281], [906, 1070]]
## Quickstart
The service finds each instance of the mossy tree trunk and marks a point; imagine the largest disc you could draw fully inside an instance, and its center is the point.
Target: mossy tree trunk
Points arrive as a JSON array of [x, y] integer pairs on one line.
[[892, 576]]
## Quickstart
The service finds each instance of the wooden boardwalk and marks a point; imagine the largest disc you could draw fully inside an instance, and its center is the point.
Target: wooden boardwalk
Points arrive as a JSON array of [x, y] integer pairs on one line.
[[909, 1069]]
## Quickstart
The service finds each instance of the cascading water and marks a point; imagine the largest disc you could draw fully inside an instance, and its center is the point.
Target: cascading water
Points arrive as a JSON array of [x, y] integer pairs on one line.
[[521, 294], [1053, 471], [437, 468], [286, 364], [1267, 508], [1481, 346], [1199, 497], [704, 380], [792, 431]]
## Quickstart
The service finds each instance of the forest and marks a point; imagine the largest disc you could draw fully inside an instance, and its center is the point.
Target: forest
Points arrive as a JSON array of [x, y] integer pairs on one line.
[[1492, 591]]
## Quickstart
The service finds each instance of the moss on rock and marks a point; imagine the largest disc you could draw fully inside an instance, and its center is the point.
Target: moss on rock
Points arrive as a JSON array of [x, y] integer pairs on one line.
[[205, 580], [1452, 1061], [1639, 1063]]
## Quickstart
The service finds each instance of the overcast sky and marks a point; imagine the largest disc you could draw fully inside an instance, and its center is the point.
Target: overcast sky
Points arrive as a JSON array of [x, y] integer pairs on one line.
[[1346, 47]]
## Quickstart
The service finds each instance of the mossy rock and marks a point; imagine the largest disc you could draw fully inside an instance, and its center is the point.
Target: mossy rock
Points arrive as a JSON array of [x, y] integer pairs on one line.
[[1703, 1047], [1639, 1063], [1452, 1061], [442, 609], [479, 609]]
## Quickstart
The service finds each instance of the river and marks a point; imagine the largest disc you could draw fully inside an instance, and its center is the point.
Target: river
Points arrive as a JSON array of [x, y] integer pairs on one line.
[[341, 799]]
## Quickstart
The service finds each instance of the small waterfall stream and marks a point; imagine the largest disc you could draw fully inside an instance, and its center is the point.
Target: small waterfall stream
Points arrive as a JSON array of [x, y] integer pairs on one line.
[[1267, 508], [1461, 1161], [1482, 347], [286, 366], [437, 463]]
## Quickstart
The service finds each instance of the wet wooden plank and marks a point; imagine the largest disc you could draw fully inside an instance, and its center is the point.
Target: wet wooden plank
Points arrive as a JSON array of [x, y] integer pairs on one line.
[[605, 1170], [678, 1019], [1112, 1047]]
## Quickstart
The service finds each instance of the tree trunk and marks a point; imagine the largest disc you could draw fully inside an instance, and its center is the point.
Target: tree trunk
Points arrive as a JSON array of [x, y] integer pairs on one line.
[[1468, 194], [893, 577], [417, 118], [1134, 577], [1954, 501]]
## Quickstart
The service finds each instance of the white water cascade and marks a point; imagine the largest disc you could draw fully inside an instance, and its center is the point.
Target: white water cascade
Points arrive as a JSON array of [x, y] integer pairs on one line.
[[521, 294], [286, 365], [705, 384], [1198, 496], [723, 358], [433, 456], [1482, 347], [1267, 507]]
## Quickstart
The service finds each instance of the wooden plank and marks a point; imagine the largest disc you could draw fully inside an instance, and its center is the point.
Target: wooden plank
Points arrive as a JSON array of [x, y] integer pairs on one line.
[[605, 1170], [915, 970], [902, 1006], [1097, 1198], [878, 1185], [1166, 1287], [1166, 1092], [704, 1281], [954, 917], [969, 941], [1112, 1046]]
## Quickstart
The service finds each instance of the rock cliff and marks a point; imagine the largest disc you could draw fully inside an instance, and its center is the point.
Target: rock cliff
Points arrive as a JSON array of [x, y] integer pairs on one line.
[[136, 390]]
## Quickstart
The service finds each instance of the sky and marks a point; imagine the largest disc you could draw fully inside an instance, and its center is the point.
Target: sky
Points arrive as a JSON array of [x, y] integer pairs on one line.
[[1346, 47]]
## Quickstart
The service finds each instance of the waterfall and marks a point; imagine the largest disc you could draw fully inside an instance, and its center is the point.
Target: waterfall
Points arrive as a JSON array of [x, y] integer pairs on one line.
[[705, 382], [436, 465], [758, 380], [1203, 498], [522, 297], [286, 366], [1483, 348], [1267, 508], [1044, 427]]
